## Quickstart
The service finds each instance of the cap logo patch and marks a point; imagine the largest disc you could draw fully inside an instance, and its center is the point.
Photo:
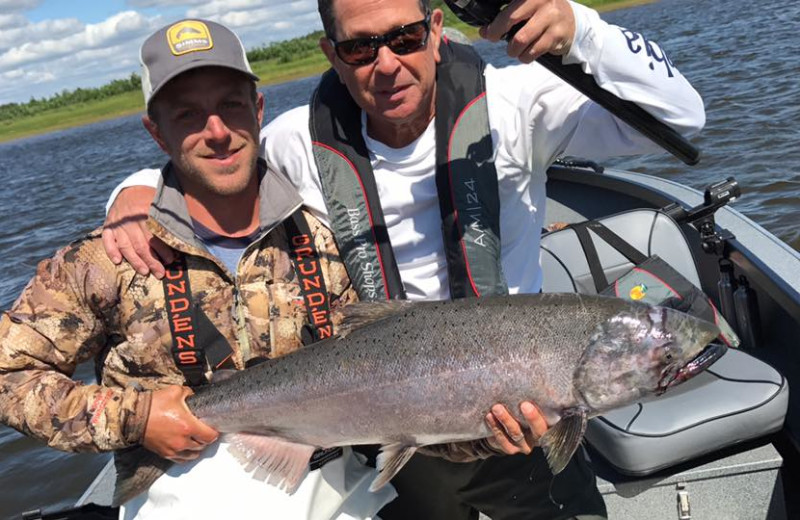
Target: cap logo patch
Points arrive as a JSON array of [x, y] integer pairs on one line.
[[189, 36]]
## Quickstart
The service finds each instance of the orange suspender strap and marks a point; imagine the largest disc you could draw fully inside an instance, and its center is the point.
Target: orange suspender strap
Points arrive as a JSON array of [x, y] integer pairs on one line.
[[196, 342], [305, 258]]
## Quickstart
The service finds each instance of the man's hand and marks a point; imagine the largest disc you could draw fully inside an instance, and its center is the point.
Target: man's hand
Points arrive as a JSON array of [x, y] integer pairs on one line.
[[510, 436], [172, 431], [549, 27], [125, 233]]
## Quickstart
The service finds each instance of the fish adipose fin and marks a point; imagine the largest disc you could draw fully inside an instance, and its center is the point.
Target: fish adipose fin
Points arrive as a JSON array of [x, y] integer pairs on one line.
[[390, 460], [358, 315], [279, 462], [561, 441], [136, 474]]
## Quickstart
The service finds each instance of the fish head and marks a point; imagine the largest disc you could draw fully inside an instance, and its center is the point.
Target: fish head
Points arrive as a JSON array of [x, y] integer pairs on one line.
[[643, 350]]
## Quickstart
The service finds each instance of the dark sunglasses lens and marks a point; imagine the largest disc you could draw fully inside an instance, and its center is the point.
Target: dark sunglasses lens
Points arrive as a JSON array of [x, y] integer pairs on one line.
[[408, 39], [356, 52]]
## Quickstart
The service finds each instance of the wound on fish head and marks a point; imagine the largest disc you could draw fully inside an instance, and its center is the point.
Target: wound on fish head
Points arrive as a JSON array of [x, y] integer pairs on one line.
[[640, 351]]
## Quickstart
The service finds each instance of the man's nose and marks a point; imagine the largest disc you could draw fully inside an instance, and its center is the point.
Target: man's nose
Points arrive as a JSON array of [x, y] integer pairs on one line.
[[387, 62], [216, 128]]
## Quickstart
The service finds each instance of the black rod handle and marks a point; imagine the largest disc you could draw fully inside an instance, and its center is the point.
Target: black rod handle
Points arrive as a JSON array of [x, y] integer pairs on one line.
[[626, 111]]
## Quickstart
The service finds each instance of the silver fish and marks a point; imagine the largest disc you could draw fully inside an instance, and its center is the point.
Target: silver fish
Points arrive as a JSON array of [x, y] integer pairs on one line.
[[410, 374]]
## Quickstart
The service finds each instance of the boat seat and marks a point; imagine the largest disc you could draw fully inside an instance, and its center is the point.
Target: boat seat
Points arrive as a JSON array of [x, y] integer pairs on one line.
[[739, 398], [565, 268]]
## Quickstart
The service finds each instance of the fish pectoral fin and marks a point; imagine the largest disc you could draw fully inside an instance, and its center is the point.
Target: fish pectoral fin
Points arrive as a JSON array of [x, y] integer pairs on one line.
[[136, 473], [280, 462], [561, 441], [390, 460], [357, 315]]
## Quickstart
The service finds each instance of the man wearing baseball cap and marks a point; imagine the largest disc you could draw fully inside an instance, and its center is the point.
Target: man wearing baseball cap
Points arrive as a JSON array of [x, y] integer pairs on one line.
[[234, 288]]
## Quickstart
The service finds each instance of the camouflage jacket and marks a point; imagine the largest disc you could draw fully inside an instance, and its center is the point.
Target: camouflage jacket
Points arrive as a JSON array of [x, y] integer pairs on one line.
[[79, 303]]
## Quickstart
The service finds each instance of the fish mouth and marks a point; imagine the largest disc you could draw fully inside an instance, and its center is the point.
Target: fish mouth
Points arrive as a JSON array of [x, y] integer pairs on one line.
[[702, 361]]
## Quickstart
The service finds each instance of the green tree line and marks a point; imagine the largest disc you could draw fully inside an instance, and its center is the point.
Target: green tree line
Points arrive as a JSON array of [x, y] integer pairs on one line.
[[69, 97]]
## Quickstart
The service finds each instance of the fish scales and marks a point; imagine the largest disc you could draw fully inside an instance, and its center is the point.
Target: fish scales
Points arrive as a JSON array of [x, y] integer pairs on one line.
[[414, 370]]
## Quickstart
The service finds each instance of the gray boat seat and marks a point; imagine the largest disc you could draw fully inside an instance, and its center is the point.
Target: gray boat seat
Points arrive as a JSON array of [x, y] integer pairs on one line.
[[739, 398], [566, 269]]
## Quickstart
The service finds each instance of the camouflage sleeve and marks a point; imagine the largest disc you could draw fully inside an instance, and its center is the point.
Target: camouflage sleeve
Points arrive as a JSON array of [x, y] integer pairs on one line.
[[467, 451], [59, 321]]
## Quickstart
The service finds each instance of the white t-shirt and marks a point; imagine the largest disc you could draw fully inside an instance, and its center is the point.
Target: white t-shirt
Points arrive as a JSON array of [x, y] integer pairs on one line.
[[534, 118]]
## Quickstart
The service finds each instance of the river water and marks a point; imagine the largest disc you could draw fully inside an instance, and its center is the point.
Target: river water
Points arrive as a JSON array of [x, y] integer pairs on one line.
[[743, 57]]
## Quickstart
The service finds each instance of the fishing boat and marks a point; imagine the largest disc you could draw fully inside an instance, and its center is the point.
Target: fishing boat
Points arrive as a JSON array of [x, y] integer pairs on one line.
[[725, 444]]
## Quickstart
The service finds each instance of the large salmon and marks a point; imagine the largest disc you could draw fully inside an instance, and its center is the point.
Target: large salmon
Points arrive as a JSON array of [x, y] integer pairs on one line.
[[404, 375]]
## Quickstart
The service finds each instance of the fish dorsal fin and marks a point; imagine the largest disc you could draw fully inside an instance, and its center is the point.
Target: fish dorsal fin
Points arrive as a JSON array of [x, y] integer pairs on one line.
[[561, 441], [391, 459], [279, 462], [360, 314]]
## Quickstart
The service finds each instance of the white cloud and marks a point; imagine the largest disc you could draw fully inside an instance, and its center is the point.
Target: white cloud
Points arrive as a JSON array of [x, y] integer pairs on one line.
[[37, 32], [161, 3], [261, 21], [11, 20], [122, 27], [18, 5], [28, 76]]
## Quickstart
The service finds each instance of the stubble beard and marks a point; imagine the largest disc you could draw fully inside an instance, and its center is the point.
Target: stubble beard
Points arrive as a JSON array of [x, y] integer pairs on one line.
[[205, 182]]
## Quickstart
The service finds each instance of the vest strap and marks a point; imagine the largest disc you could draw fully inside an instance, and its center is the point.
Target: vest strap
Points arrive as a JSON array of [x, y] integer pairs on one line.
[[351, 194], [466, 178], [308, 268], [196, 342]]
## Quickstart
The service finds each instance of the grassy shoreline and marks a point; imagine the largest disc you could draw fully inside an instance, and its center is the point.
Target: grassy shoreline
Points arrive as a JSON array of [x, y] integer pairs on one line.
[[271, 72]]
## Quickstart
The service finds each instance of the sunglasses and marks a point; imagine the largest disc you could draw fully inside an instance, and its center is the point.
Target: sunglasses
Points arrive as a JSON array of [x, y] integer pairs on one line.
[[403, 40]]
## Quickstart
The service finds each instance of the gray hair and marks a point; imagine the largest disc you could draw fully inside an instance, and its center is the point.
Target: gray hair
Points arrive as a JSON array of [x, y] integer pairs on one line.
[[326, 12]]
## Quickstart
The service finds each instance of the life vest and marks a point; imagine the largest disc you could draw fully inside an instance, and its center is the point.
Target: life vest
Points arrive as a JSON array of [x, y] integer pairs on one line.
[[466, 181]]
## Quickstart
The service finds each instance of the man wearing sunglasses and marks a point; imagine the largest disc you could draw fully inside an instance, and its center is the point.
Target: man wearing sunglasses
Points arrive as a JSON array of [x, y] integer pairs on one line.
[[429, 166]]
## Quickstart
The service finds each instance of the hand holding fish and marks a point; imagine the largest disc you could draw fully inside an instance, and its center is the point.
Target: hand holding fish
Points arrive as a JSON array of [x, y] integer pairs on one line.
[[510, 436], [172, 431]]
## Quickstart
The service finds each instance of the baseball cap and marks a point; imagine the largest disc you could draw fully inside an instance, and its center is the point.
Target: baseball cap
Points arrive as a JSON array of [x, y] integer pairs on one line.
[[186, 45]]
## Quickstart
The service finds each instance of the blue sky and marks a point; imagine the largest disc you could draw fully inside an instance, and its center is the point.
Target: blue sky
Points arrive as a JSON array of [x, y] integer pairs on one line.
[[47, 46]]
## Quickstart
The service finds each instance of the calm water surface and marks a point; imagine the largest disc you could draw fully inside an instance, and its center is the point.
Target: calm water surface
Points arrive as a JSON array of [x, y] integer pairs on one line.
[[742, 56]]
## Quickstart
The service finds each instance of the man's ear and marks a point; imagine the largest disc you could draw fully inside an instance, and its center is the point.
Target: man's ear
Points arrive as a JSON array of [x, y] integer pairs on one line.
[[330, 53], [152, 129], [437, 26], [327, 49], [260, 108]]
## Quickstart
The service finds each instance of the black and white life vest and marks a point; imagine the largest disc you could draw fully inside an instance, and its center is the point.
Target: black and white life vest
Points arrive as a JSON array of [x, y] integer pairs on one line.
[[466, 181]]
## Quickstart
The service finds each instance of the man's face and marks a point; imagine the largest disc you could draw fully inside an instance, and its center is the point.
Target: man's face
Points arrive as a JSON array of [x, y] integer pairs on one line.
[[208, 120], [394, 89]]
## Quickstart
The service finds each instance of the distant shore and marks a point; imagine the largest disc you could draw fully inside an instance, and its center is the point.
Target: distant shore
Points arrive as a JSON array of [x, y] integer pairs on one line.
[[270, 73]]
